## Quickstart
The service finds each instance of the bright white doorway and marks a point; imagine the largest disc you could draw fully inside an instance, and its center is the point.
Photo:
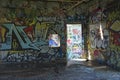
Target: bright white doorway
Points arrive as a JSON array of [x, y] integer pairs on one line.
[[75, 43]]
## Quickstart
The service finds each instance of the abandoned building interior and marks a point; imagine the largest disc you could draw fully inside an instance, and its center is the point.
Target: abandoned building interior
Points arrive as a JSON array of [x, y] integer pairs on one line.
[[50, 31]]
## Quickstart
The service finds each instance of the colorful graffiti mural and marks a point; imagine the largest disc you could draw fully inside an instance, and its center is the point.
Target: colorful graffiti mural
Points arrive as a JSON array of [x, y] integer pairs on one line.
[[26, 25], [75, 48], [23, 38], [18, 31], [20, 38]]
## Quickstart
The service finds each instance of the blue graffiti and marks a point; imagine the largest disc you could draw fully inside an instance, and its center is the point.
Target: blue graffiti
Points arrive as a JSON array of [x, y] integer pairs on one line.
[[22, 37], [7, 44]]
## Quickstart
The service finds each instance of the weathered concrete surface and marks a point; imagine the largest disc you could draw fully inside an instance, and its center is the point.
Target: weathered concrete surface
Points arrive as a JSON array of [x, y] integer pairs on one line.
[[84, 71]]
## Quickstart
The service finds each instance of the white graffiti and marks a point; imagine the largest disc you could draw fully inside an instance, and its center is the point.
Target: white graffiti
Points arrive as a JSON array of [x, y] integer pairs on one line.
[[95, 38]]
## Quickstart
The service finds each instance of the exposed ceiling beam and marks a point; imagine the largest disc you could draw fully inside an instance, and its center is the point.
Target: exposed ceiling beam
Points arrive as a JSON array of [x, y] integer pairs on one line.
[[78, 3], [65, 1]]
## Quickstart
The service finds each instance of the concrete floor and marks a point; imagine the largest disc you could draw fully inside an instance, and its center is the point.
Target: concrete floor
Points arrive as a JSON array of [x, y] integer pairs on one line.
[[77, 71]]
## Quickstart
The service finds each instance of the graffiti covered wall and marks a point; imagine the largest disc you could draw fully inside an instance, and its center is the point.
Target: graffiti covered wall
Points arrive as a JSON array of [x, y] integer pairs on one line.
[[96, 34], [25, 26], [106, 50], [114, 28], [75, 44], [24, 30], [99, 40]]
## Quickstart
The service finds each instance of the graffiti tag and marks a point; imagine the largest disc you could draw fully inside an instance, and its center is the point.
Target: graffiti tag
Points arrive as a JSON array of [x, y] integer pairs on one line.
[[21, 36]]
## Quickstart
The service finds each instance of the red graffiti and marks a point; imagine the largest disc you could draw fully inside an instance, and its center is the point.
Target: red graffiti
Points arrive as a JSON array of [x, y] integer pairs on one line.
[[96, 52], [116, 39], [29, 29]]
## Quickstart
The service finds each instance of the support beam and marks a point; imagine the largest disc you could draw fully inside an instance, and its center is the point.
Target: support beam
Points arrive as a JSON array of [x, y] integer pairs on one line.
[[78, 3], [65, 1]]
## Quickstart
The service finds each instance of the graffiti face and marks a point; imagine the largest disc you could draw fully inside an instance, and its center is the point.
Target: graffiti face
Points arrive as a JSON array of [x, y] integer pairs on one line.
[[95, 36]]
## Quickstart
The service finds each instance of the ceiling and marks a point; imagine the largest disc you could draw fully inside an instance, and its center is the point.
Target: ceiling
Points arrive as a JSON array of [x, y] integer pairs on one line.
[[60, 0], [74, 3]]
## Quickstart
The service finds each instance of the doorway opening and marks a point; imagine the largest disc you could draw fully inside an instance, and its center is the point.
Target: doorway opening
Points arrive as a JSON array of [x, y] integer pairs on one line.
[[75, 43]]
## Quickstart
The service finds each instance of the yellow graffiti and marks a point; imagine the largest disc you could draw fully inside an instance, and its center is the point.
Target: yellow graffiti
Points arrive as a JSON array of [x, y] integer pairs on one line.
[[114, 15], [39, 26], [15, 44], [32, 22], [41, 30], [115, 26]]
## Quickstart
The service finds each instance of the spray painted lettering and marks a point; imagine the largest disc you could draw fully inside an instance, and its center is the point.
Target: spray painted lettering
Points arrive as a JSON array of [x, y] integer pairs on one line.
[[95, 36], [21, 36]]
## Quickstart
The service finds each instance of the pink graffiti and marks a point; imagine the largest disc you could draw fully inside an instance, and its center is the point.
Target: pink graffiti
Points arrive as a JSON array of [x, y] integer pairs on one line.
[[96, 52], [69, 41], [75, 31]]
